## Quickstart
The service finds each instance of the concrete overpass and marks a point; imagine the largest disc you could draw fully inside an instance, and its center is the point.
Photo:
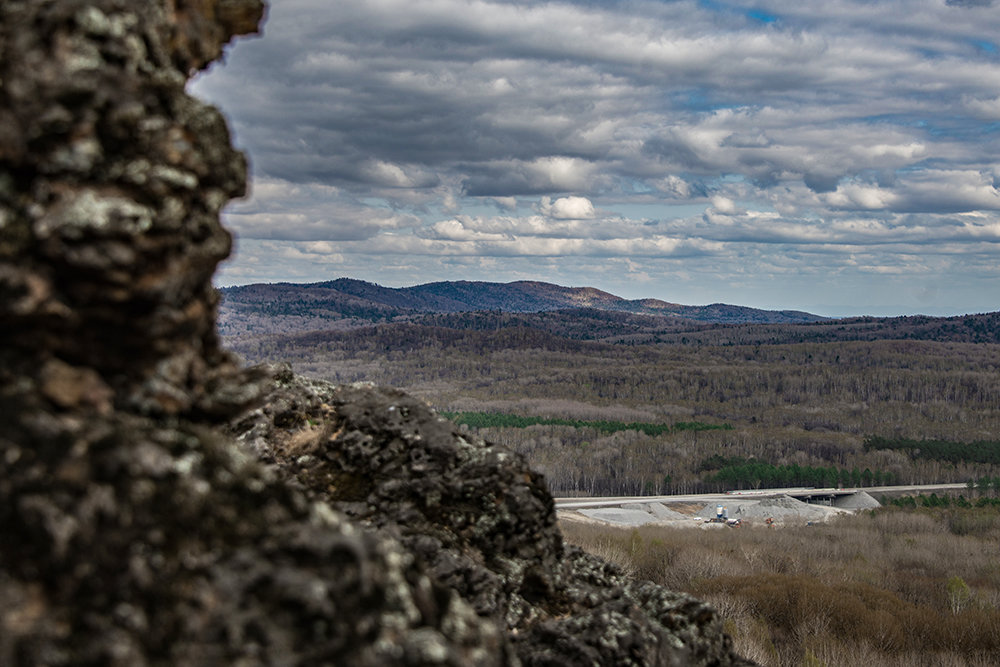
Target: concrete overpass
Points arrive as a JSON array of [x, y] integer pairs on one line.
[[828, 496]]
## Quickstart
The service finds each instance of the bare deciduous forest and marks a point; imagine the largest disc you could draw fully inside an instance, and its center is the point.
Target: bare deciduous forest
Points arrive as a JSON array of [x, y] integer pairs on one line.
[[792, 406]]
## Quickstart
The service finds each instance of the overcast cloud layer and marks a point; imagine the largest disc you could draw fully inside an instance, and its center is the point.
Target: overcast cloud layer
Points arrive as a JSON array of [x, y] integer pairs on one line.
[[838, 157]]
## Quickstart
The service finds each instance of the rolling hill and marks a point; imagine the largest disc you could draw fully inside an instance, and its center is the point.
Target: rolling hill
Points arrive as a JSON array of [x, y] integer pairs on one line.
[[347, 303]]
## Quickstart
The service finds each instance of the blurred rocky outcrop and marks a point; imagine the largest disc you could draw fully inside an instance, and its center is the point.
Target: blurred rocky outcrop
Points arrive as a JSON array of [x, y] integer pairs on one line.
[[139, 526]]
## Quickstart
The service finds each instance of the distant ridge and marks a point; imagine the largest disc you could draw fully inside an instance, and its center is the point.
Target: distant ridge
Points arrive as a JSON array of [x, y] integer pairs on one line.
[[347, 303], [354, 296], [581, 313]]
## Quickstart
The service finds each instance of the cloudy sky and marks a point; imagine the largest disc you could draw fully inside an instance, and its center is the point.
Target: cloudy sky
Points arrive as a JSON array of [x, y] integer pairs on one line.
[[840, 157]]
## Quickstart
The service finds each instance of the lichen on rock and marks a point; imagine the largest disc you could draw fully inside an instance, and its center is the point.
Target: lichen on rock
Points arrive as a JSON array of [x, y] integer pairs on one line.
[[161, 505], [481, 520]]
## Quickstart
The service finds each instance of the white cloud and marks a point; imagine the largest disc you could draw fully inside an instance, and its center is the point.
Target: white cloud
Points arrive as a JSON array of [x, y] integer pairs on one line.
[[724, 205], [857, 196], [387, 174], [278, 209], [568, 208]]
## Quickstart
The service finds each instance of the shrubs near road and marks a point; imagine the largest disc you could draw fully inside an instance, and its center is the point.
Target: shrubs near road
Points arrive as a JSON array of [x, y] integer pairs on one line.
[[892, 586]]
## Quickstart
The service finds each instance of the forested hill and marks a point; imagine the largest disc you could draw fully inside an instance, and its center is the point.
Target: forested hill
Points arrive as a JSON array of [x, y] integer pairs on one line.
[[347, 303]]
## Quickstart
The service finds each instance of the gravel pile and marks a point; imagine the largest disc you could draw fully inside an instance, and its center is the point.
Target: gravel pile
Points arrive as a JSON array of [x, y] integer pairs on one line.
[[781, 509], [859, 501]]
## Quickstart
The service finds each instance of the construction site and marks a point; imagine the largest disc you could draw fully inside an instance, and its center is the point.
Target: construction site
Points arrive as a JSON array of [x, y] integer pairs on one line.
[[772, 509]]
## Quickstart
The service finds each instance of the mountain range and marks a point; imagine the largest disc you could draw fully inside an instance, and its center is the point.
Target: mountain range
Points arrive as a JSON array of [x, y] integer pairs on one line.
[[347, 303]]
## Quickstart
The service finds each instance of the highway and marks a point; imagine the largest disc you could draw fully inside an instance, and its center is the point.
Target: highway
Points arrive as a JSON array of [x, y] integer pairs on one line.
[[796, 492]]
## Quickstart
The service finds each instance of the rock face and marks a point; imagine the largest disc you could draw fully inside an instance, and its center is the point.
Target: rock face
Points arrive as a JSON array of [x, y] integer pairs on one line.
[[138, 525], [111, 185], [480, 519]]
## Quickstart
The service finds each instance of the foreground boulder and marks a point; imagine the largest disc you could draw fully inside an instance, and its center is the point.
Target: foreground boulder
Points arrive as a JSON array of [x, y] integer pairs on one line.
[[160, 505], [481, 520]]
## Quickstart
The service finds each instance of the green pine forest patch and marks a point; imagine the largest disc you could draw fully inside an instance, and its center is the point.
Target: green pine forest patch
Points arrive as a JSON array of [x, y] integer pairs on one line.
[[981, 451], [500, 420]]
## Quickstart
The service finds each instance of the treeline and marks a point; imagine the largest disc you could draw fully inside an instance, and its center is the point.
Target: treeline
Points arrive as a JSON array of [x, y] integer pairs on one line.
[[501, 420], [981, 328], [737, 473], [397, 342], [577, 323], [982, 451]]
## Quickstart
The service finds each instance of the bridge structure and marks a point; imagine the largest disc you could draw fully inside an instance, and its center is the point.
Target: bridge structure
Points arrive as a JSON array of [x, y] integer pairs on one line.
[[817, 496]]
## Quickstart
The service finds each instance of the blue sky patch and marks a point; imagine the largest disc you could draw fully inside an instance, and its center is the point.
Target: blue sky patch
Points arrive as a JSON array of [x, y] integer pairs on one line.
[[762, 16], [984, 45]]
